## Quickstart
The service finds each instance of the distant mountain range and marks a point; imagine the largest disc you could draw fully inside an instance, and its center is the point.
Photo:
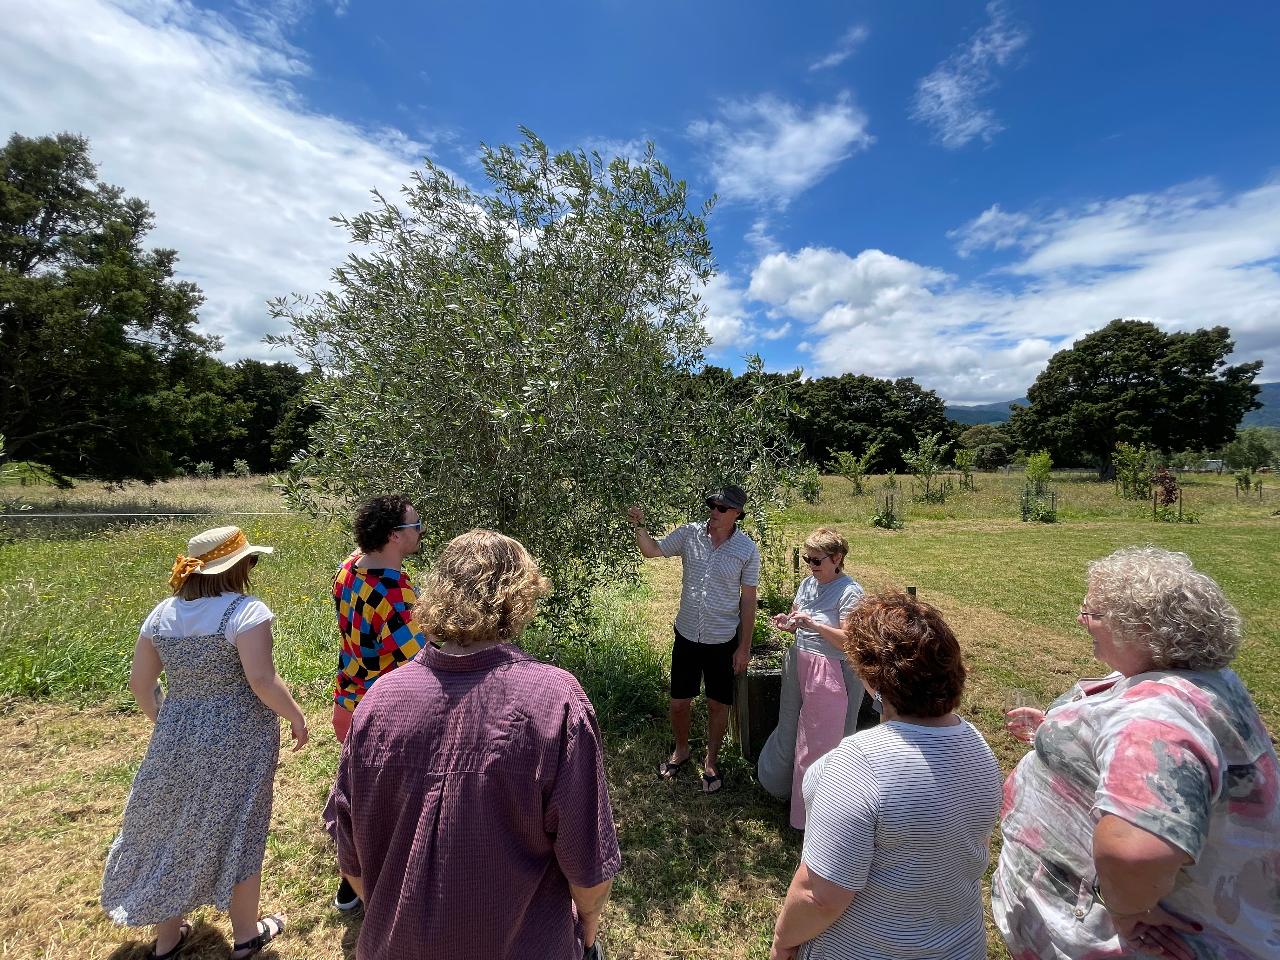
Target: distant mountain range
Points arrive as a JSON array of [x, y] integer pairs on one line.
[[983, 412], [1267, 416]]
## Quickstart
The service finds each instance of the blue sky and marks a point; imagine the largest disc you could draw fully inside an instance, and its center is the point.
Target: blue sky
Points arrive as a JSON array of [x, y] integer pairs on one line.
[[951, 191]]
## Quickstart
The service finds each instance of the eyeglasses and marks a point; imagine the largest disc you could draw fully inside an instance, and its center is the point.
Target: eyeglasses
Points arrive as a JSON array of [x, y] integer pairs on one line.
[[1089, 614], [719, 507], [417, 525], [813, 561]]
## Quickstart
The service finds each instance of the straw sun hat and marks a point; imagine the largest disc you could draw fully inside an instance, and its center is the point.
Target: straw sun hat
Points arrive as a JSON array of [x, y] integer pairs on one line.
[[212, 552]]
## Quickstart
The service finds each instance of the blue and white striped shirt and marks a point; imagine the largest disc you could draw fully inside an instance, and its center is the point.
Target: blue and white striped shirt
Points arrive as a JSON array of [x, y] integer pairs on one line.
[[902, 815], [711, 581]]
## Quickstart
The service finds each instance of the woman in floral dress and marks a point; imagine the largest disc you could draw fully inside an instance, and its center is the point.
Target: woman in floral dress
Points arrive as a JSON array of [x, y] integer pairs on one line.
[[1147, 820], [195, 824]]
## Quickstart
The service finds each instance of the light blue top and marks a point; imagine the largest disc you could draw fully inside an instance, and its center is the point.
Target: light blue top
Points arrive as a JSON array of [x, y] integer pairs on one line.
[[828, 604]]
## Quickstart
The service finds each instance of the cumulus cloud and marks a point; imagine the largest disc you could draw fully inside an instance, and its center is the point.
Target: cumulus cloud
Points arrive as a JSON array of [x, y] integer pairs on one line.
[[727, 319], [948, 99], [814, 282], [853, 38], [767, 151], [199, 118], [1187, 258]]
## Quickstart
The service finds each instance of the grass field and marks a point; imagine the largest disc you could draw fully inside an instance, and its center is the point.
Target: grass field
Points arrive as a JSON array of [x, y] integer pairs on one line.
[[703, 876]]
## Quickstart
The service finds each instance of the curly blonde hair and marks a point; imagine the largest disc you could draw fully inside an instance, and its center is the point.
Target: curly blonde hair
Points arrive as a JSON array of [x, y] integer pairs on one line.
[[1156, 599], [485, 587]]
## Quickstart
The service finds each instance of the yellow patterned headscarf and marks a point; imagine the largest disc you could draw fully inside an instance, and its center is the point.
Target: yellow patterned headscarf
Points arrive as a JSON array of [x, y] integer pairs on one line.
[[183, 566]]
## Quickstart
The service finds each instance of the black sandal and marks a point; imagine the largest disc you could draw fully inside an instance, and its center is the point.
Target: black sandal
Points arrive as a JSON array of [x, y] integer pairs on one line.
[[668, 770], [184, 931], [269, 927]]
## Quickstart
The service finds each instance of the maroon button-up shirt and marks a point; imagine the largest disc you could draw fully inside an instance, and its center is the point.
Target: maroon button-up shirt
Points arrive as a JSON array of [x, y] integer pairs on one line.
[[470, 794]]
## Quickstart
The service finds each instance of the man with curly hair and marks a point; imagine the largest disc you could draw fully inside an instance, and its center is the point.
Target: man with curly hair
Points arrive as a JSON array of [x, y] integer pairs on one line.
[[374, 602]]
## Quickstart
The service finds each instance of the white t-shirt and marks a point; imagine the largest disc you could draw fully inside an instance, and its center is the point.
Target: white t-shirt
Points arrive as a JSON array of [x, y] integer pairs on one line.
[[200, 618], [902, 815]]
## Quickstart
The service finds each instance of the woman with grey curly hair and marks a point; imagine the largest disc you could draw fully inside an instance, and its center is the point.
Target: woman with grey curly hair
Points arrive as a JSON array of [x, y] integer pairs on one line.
[[470, 807], [1147, 819]]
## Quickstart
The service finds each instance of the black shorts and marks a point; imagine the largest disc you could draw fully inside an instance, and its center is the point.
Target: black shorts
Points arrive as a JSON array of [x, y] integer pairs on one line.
[[693, 663]]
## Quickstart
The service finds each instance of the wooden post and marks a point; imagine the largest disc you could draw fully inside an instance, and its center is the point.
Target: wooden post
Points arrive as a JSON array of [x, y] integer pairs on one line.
[[1179, 504]]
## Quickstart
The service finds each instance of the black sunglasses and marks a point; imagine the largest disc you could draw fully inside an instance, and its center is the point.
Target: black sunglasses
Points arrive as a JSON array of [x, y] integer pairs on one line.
[[813, 561], [720, 507]]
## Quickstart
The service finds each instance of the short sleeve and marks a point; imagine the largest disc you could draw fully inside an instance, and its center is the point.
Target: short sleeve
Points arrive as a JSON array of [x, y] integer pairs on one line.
[[674, 541], [248, 615], [578, 815], [851, 597], [148, 628], [1159, 766], [751, 569], [842, 800]]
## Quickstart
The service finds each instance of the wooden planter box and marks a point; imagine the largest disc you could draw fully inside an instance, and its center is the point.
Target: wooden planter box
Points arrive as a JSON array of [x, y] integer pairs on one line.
[[755, 709]]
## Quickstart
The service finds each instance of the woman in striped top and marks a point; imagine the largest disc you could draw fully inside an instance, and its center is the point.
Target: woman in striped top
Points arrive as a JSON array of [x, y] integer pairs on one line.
[[900, 815]]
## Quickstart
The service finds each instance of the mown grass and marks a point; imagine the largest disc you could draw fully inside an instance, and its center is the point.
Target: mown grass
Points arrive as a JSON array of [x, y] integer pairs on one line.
[[703, 876]]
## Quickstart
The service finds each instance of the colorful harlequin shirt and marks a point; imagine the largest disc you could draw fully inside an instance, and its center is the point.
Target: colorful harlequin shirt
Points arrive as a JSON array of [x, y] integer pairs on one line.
[[375, 618], [1180, 754]]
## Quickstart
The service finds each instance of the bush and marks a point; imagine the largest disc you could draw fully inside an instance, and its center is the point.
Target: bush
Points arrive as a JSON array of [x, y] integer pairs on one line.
[[1039, 468], [1038, 505], [1133, 470], [888, 516], [810, 485], [854, 469], [240, 468], [204, 470]]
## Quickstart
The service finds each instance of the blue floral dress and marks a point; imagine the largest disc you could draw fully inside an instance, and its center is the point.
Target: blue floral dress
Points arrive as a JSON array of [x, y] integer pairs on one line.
[[196, 820]]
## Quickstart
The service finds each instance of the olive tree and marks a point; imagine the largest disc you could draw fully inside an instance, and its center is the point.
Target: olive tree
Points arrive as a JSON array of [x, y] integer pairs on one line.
[[525, 357]]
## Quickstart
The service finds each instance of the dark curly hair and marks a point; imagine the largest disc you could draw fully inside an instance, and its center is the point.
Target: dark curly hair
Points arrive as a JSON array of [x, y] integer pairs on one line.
[[905, 650], [377, 518]]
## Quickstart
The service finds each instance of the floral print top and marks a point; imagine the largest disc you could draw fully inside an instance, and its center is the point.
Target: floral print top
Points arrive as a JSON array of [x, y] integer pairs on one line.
[[1181, 754]]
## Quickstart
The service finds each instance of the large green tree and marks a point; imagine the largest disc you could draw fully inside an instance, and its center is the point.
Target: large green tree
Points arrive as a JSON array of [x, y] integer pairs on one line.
[[1132, 382], [90, 320], [852, 412], [525, 357]]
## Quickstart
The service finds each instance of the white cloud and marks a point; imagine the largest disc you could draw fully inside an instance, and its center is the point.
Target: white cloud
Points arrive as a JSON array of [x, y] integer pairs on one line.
[[199, 119], [947, 100], [1185, 259], [816, 284], [853, 38], [767, 151], [994, 229], [727, 317]]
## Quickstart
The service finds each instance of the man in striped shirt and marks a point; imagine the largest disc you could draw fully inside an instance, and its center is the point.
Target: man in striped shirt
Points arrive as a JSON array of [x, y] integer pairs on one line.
[[717, 615]]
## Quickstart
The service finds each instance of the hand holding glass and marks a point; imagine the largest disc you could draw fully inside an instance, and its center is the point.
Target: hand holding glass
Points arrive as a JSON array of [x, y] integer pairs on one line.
[[1022, 715]]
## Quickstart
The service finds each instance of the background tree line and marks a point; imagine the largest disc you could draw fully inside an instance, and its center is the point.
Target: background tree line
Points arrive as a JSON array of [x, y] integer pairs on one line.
[[102, 371]]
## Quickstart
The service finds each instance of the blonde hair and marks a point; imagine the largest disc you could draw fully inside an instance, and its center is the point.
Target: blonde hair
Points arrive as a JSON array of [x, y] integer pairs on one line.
[[234, 579], [485, 587], [829, 542], [1156, 599]]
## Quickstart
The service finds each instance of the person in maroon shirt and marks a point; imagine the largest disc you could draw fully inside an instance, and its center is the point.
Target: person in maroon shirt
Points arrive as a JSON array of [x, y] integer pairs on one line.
[[470, 805]]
